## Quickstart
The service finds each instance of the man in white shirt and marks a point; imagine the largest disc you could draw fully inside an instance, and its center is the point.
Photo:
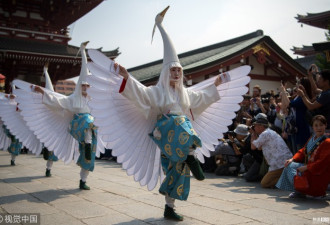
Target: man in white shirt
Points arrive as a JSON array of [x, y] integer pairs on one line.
[[274, 150]]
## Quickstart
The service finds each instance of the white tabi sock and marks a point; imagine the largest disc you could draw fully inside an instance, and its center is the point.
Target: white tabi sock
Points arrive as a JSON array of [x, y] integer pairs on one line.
[[13, 157], [169, 201], [49, 164], [83, 174]]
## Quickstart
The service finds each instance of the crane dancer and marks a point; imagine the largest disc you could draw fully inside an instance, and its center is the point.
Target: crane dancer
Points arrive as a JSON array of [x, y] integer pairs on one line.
[[148, 127]]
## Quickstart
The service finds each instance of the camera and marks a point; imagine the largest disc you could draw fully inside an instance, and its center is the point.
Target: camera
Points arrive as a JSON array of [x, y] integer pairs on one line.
[[251, 127], [232, 133], [264, 100]]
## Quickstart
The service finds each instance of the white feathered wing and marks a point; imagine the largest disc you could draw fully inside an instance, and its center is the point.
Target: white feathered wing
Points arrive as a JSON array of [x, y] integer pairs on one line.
[[213, 122], [14, 122], [4, 139], [50, 126], [126, 130], [121, 123]]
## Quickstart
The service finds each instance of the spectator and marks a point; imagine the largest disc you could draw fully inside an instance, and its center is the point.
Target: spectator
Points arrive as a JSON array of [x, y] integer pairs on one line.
[[274, 150], [268, 109], [244, 112], [322, 103], [230, 150], [255, 101], [301, 132], [271, 126], [252, 160], [312, 161], [311, 74]]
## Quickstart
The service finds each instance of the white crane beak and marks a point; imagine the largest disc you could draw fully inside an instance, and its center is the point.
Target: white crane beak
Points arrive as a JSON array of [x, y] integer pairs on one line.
[[162, 13], [84, 44]]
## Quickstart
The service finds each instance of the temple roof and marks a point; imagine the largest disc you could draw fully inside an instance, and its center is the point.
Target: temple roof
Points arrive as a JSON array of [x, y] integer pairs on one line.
[[211, 55], [55, 15], [44, 49], [322, 46], [321, 20], [306, 61], [304, 50]]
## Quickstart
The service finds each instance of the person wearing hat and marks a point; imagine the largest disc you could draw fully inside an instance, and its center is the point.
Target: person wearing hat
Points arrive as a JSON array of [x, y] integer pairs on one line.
[[7, 101], [61, 111], [274, 149], [231, 151], [49, 156], [19, 128], [156, 141]]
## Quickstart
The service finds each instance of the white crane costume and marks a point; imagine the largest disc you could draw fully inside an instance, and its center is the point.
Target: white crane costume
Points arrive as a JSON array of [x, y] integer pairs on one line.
[[16, 128], [8, 142], [49, 156], [63, 123], [4, 139], [126, 113]]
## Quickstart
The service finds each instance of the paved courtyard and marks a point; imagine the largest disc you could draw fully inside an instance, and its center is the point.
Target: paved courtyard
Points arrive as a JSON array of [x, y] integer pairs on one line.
[[116, 198]]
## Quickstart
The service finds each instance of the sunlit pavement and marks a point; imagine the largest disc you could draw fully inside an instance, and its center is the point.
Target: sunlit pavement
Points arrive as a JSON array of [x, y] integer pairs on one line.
[[116, 198]]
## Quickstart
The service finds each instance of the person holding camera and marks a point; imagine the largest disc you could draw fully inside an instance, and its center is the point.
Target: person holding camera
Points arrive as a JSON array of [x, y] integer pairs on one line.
[[297, 125], [268, 109], [322, 103], [244, 113], [230, 150], [274, 149], [255, 102]]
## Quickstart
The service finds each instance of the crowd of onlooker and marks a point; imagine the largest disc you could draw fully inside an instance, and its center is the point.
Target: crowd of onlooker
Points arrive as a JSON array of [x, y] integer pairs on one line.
[[274, 131]]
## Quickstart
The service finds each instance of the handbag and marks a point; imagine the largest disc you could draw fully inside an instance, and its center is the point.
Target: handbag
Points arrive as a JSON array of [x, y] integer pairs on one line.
[[300, 183]]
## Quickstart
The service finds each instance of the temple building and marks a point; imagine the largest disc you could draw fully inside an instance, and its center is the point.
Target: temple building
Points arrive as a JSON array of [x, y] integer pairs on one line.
[[270, 64], [320, 20], [35, 32]]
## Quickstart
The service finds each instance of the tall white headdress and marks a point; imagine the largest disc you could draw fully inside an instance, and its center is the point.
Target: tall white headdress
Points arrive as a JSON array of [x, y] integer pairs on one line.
[[170, 56], [170, 59], [48, 82], [77, 95]]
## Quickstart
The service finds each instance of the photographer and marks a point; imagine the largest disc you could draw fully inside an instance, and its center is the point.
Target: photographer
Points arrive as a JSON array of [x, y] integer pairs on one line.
[[274, 150], [255, 102], [244, 112], [322, 103], [252, 160], [230, 150], [268, 109]]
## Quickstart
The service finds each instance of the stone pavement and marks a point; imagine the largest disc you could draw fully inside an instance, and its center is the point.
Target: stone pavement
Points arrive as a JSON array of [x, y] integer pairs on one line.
[[116, 198]]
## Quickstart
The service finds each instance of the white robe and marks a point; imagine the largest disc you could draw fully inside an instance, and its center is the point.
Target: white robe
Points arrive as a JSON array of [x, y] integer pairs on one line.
[[152, 98], [60, 103]]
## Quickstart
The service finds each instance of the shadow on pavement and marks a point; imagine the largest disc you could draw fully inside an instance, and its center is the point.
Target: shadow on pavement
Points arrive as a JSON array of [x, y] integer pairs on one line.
[[46, 196], [21, 179]]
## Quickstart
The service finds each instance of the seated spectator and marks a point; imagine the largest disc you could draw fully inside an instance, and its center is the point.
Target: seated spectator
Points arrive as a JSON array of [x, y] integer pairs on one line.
[[322, 103], [312, 161], [274, 150], [230, 151]]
